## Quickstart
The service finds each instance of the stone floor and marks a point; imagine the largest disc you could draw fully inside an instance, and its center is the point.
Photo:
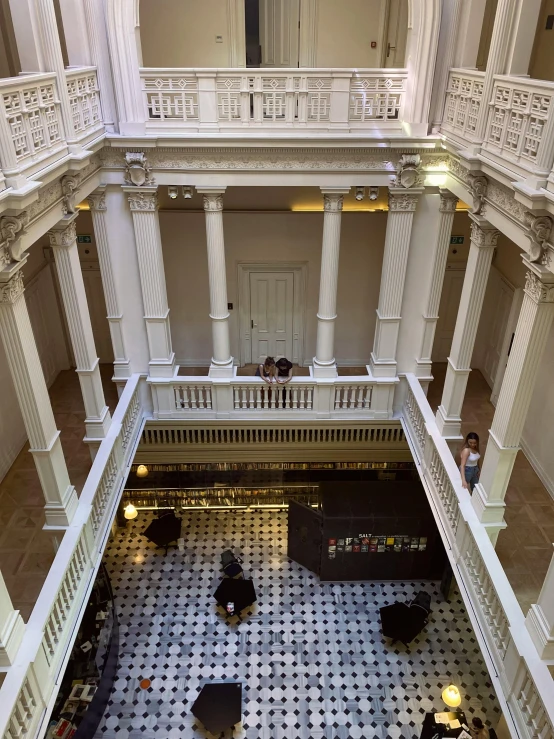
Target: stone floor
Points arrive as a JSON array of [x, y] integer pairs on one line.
[[310, 657], [525, 547], [26, 551]]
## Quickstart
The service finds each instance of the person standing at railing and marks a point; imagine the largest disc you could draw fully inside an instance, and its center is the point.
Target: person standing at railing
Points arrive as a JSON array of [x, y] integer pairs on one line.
[[469, 461], [268, 373], [284, 375]]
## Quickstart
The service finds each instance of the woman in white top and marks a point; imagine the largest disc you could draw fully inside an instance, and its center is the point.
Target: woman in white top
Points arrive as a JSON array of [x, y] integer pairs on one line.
[[469, 466]]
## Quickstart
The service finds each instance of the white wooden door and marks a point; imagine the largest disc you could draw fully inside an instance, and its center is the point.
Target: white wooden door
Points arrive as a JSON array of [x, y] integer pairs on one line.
[[501, 296], [448, 312], [279, 32], [396, 32], [271, 314]]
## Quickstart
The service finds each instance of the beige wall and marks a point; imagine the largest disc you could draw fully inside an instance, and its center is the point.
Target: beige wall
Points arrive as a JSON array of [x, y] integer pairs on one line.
[[273, 238], [542, 60], [345, 31], [181, 33]]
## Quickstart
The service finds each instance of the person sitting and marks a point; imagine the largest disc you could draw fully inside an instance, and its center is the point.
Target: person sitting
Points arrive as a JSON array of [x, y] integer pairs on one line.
[[477, 729], [267, 371]]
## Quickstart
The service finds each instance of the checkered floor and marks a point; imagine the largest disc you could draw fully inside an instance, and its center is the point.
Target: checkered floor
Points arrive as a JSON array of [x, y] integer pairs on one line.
[[311, 657]]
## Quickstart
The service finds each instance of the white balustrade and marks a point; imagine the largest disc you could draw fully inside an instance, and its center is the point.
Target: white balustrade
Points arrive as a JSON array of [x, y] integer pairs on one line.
[[31, 683], [193, 395], [84, 98], [464, 97], [277, 98], [522, 681]]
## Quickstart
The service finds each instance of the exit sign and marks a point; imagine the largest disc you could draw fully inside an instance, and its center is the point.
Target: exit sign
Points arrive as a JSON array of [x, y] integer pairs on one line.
[[84, 239], [456, 239]]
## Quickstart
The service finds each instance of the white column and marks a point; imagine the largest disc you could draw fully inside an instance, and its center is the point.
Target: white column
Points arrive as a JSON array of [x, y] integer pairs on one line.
[[483, 241], [34, 402], [540, 617], [63, 239], [144, 209], [222, 361], [324, 360], [12, 627], [122, 22], [533, 327], [97, 204], [449, 31], [421, 55], [402, 206], [466, 46], [75, 33], [100, 55], [447, 209], [27, 36], [525, 26]]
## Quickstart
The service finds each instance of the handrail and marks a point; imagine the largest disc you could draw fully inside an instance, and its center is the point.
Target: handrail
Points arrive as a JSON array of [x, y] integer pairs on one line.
[[32, 681], [523, 680]]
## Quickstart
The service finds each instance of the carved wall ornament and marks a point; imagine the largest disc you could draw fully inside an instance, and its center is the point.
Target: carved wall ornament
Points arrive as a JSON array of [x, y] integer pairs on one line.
[[142, 200], [547, 259], [97, 200], [11, 230], [483, 237], [137, 169], [448, 201], [407, 173], [69, 184], [213, 202], [332, 202], [63, 237], [455, 168], [402, 202], [503, 198], [12, 290], [537, 290], [539, 228], [478, 189]]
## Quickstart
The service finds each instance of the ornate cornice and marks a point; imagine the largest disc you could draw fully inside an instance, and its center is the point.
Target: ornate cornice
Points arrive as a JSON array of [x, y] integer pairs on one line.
[[403, 201], [484, 238], [63, 236], [12, 290], [143, 200], [213, 202], [332, 202], [448, 201], [97, 200], [538, 290]]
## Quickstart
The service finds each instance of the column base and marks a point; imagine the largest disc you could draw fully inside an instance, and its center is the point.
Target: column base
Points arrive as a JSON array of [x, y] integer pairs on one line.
[[222, 369], [449, 426], [540, 632], [121, 369], [382, 367], [10, 639], [488, 512], [61, 514], [424, 370], [163, 367], [97, 428], [324, 369]]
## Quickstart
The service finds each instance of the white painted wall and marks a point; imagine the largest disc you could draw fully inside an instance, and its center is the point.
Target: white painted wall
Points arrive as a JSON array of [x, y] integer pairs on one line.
[[345, 31], [273, 237]]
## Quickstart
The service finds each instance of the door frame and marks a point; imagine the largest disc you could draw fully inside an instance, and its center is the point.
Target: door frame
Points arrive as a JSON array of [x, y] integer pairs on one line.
[[300, 271], [509, 331]]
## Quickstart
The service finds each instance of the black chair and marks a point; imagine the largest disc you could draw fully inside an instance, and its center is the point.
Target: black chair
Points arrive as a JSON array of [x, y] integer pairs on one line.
[[233, 570], [422, 600]]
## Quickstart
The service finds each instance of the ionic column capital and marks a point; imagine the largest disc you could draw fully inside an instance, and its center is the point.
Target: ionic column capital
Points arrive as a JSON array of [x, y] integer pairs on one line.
[[448, 201], [97, 200], [64, 233], [13, 289], [483, 234], [404, 200], [142, 199]]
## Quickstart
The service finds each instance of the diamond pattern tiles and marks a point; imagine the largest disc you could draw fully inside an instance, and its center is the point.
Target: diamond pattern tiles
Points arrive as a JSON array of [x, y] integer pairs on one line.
[[310, 656]]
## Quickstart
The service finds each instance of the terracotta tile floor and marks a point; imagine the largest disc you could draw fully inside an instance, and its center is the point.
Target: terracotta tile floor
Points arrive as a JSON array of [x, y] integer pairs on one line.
[[26, 551], [525, 547]]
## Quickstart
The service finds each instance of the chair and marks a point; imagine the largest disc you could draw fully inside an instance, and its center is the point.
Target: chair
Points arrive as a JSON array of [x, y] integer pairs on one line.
[[233, 570], [423, 601], [227, 557]]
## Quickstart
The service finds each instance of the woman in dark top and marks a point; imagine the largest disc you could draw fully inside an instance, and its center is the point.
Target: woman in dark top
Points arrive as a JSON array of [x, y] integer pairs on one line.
[[267, 371], [284, 370]]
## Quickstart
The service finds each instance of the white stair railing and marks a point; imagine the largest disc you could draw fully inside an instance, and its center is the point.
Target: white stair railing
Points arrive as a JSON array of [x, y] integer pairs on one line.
[[32, 682], [523, 682]]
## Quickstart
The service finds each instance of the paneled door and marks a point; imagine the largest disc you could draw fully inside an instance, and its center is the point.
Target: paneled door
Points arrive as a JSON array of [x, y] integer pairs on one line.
[[395, 33], [271, 314], [279, 31], [501, 296], [448, 312]]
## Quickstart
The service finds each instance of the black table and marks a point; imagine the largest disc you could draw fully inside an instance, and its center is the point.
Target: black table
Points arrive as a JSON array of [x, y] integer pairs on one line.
[[430, 729], [239, 592], [219, 706]]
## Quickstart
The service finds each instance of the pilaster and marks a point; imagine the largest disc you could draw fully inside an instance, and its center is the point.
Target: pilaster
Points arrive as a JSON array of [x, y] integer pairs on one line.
[[483, 241], [63, 239], [324, 361], [222, 361], [12, 627], [34, 402], [447, 210], [402, 206], [97, 204], [100, 55], [533, 327], [144, 209], [540, 617]]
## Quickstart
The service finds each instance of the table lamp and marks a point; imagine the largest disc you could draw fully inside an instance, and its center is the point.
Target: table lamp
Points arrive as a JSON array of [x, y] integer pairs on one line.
[[130, 512], [451, 696]]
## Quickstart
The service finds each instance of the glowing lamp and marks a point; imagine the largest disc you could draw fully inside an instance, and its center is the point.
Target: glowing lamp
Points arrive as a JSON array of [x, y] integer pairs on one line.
[[130, 512], [451, 696], [142, 470]]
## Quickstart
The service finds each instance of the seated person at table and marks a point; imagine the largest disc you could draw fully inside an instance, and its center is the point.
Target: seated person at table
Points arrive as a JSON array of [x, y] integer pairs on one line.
[[477, 729]]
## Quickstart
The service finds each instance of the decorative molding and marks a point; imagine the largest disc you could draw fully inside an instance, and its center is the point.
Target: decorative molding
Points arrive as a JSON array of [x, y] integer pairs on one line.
[[143, 200], [478, 189], [213, 202], [12, 290], [484, 238], [63, 235], [460, 172], [11, 230], [403, 201], [537, 290], [97, 200], [69, 184], [407, 172], [332, 202], [503, 198], [137, 169], [538, 231], [448, 201]]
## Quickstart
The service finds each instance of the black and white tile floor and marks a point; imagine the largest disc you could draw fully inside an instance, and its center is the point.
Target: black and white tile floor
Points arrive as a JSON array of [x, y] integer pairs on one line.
[[311, 656]]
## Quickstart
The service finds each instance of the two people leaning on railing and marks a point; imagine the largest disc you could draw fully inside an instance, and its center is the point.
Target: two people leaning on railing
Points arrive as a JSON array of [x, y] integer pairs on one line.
[[271, 371]]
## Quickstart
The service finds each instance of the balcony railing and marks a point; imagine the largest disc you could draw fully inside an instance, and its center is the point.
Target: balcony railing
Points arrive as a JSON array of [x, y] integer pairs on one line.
[[32, 681], [227, 99], [464, 97], [523, 682], [84, 97], [241, 397]]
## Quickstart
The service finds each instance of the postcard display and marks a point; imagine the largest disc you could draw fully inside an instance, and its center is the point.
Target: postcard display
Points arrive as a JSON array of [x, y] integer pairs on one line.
[[368, 531]]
